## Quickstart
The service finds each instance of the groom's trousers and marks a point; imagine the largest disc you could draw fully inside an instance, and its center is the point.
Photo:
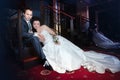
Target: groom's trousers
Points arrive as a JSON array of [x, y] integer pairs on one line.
[[37, 46]]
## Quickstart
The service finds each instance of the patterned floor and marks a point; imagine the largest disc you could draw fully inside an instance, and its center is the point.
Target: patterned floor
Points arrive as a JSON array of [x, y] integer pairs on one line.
[[40, 73]]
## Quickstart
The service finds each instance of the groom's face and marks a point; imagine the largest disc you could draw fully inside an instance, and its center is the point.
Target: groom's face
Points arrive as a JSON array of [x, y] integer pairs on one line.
[[27, 14]]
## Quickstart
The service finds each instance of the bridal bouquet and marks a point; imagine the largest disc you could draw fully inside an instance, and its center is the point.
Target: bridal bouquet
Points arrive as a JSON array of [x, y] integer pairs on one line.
[[55, 39]]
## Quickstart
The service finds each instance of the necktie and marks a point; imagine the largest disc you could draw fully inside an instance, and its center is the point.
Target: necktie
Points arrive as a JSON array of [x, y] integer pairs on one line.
[[30, 27]]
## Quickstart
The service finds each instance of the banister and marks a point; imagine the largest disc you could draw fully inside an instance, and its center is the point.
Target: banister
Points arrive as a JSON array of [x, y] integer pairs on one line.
[[85, 18], [64, 13], [59, 11], [14, 13]]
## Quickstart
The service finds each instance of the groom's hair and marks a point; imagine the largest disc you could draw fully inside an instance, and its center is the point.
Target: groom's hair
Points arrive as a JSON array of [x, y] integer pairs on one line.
[[26, 8]]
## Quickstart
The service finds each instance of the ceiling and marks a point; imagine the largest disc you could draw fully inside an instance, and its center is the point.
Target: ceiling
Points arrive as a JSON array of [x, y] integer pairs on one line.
[[84, 2]]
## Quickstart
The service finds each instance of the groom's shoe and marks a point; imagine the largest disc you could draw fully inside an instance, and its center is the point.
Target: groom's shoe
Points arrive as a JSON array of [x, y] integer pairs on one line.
[[43, 61], [47, 65]]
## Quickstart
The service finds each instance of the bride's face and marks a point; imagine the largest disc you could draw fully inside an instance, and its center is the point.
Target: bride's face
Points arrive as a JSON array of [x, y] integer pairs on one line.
[[36, 24]]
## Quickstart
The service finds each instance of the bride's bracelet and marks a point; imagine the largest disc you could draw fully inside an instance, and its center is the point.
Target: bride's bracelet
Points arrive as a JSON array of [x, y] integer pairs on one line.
[[55, 39]]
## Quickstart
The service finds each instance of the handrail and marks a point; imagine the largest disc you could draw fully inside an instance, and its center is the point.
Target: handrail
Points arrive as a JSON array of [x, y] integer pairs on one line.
[[59, 11], [14, 13], [85, 18]]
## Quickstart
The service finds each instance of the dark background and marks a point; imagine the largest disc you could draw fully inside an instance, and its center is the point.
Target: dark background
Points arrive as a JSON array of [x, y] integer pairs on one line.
[[108, 19], [109, 24], [6, 72]]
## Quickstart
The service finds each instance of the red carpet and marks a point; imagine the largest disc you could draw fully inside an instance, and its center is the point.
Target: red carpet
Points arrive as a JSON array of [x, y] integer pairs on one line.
[[39, 73]]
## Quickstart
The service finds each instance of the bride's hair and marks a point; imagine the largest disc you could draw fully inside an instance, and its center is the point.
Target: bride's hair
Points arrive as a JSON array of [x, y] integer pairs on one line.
[[34, 19]]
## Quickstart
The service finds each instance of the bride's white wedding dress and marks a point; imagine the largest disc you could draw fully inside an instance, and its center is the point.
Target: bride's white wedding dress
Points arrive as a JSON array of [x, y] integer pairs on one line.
[[102, 41], [67, 57]]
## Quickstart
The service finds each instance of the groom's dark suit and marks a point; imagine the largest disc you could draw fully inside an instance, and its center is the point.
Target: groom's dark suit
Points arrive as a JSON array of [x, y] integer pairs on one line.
[[30, 38]]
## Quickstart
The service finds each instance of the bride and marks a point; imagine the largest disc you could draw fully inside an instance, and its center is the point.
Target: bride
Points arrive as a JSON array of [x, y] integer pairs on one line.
[[64, 56]]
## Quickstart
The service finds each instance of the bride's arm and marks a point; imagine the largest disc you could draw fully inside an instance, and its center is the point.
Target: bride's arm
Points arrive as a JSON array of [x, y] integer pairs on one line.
[[49, 30]]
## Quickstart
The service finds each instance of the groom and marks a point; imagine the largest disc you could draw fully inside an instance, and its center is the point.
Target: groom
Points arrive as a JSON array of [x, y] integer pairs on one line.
[[34, 38], [28, 35]]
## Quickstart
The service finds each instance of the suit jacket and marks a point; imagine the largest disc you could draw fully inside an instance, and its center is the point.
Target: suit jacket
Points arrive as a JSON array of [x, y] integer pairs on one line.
[[25, 28]]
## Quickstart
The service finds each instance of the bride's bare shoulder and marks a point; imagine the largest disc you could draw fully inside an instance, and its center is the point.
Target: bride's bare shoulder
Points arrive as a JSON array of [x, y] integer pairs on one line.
[[44, 26]]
